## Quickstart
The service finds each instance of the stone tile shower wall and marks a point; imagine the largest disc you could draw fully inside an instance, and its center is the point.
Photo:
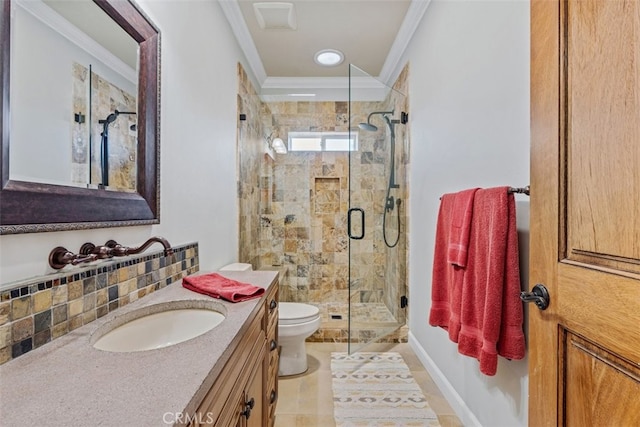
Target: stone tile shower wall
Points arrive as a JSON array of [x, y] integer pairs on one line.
[[251, 162], [39, 310], [303, 198], [305, 232]]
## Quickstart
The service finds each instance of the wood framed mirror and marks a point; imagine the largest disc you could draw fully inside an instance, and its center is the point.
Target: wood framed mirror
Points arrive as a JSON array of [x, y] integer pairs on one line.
[[27, 207]]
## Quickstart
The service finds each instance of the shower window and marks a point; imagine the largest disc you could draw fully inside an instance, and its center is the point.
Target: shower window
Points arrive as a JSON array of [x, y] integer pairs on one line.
[[323, 141]]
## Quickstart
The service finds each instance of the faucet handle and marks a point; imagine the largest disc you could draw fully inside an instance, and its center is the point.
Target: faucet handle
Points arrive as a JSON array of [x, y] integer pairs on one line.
[[109, 250], [59, 257], [86, 248], [111, 243]]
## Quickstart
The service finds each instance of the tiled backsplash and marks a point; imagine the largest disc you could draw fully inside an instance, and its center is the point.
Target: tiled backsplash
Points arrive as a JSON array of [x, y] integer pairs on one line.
[[41, 309]]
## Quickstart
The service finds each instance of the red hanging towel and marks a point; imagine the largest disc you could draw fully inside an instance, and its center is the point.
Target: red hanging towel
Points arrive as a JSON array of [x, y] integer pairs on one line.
[[492, 314], [446, 281]]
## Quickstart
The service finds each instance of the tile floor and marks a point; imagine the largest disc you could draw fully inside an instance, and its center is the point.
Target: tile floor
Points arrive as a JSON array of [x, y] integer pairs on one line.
[[307, 400]]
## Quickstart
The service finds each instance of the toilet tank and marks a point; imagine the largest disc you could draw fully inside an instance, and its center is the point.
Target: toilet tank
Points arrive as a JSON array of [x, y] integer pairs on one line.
[[237, 266]]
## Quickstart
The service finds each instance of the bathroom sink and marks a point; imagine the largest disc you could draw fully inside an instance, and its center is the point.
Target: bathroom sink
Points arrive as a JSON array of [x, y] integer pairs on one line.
[[157, 326]]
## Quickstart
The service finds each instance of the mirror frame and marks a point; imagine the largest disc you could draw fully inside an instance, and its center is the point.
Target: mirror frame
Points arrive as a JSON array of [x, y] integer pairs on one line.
[[27, 207]]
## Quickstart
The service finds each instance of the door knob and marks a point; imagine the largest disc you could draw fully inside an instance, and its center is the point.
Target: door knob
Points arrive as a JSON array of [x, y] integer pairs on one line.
[[538, 295]]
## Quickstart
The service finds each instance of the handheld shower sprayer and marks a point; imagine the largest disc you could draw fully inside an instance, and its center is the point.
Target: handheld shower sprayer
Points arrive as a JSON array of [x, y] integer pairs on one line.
[[391, 203], [104, 158]]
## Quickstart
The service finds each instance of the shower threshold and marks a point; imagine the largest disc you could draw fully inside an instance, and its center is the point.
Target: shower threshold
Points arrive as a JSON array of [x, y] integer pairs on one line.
[[369, 322]]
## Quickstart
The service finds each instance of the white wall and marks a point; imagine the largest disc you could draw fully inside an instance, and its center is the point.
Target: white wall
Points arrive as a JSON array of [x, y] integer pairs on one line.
[[198, 134], [469, 95]]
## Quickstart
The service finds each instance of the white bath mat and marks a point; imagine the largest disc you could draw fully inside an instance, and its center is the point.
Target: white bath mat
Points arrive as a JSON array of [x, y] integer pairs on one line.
[[377, 389]]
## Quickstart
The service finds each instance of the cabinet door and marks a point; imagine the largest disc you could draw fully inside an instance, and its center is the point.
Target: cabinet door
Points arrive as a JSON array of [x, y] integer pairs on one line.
[[252, 406]]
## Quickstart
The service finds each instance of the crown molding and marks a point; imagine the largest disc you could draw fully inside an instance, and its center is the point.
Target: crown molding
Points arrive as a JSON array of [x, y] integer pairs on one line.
[[322, 89], [392, 65], [232, 12], [305, 82], [273, 88], [69, 31]]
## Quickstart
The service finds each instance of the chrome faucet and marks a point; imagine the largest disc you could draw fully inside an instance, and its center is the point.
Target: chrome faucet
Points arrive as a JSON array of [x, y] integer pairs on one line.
[[59, 256]]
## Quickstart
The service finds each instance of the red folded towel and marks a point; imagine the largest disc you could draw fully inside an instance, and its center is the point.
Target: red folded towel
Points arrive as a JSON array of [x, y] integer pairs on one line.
[[219, 286]]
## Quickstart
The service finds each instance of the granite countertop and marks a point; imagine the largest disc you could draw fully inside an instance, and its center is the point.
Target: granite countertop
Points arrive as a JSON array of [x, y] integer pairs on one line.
[[67, 382]]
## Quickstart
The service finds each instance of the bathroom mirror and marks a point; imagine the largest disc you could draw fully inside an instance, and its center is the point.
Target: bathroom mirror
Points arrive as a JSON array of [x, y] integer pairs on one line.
[[30, 206]]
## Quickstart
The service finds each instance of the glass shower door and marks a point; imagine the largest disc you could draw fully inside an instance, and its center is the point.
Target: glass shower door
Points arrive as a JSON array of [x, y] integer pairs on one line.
[[376, 219]]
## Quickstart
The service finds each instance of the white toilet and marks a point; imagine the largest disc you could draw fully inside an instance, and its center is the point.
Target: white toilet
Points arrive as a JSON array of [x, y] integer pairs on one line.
[[296, 322]]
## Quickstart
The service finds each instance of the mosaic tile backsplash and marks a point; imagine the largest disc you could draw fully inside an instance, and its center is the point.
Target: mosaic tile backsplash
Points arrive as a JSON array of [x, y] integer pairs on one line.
[[37, 311]]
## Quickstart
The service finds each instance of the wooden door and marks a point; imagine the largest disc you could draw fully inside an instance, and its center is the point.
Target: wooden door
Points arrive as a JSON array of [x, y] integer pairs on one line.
[[585, 212]]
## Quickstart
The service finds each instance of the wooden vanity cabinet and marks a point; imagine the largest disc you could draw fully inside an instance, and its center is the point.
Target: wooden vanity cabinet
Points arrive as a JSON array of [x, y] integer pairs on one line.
[[272, 358], [245, 392]]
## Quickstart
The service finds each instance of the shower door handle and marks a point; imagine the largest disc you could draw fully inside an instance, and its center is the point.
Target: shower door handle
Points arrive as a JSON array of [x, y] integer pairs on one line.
[[349, 215]]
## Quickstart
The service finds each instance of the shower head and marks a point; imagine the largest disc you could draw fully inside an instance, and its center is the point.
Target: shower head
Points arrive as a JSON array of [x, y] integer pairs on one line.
[[113, 116], [368, 126], [110, 119]]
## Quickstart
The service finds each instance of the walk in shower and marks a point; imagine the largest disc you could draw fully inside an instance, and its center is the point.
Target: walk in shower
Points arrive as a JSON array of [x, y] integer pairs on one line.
[[337, 180]]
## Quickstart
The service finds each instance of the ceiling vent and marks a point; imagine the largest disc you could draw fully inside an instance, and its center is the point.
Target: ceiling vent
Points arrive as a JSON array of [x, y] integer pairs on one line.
[[275, 15]]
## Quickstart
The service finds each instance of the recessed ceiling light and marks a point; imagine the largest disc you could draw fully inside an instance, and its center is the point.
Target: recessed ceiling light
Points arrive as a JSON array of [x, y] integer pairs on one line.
[[329, 57]]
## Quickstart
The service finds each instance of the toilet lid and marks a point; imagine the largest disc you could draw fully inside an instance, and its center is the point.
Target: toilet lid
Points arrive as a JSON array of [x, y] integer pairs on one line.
[[295, 312]]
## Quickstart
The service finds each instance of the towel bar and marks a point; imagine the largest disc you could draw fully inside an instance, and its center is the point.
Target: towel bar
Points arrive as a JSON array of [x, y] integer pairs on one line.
[[523, 190]]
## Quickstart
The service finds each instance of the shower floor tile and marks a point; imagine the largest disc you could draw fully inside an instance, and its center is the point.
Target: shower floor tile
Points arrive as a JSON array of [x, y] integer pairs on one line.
[[369, 322]]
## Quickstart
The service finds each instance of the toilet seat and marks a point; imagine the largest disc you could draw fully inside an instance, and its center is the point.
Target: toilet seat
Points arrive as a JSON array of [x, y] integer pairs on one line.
[[293, 313]]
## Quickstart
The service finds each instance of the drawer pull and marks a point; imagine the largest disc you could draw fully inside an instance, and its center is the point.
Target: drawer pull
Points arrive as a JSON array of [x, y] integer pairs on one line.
[[273, 345], [273, 397], [272, 305], [248, 406]]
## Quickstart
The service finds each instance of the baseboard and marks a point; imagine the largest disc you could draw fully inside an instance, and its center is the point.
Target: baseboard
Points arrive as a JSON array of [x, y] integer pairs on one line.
[[457, 403]]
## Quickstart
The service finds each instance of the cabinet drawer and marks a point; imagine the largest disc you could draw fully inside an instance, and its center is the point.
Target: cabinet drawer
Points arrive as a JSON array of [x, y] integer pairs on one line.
[[272, 369], [272, 306], [271, 399], [272, 357]]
